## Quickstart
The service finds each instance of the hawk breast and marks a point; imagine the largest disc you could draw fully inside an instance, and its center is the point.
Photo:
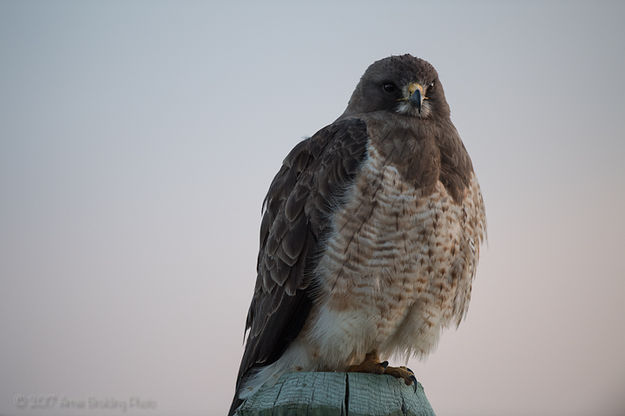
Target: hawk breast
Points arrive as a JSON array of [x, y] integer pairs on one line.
[[398, 263]]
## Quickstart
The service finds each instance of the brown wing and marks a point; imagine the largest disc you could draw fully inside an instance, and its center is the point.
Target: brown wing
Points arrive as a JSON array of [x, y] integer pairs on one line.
[[299, 202]]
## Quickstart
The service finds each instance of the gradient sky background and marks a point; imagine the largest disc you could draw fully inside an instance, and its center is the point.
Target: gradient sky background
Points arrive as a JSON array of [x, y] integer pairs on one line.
[[137, 141]]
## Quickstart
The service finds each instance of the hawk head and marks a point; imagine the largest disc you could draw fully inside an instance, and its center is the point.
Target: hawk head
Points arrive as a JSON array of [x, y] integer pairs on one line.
[[401, 84]]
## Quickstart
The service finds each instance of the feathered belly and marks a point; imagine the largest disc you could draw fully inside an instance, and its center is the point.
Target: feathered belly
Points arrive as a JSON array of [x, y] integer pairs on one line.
[[397, 268]]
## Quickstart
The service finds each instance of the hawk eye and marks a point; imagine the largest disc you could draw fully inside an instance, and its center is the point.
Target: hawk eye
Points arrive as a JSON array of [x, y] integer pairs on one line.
[[431, 84], [389, 87]]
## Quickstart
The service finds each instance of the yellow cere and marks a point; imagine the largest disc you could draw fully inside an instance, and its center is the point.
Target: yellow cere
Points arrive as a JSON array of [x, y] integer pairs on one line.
[[413, 86]]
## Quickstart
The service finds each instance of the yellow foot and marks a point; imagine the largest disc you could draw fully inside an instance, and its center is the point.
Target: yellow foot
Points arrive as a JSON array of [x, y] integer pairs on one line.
[[402, 372], [372, 364]]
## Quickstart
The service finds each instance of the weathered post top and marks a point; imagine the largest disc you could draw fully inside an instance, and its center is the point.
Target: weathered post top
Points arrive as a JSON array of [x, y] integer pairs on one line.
[[338, 394]]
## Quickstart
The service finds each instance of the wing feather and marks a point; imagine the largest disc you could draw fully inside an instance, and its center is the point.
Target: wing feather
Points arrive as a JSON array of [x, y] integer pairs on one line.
[[297, 207]]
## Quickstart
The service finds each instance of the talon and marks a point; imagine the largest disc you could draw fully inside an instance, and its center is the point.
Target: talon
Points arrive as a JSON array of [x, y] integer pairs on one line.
[[402, 372], [371, 364]]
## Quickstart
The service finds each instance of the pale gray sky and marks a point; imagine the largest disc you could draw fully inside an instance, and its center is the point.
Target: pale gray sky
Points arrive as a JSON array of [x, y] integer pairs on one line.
[[137, 140]]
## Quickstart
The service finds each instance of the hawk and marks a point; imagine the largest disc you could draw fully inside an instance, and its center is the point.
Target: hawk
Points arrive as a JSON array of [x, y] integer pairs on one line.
[[370, 236]]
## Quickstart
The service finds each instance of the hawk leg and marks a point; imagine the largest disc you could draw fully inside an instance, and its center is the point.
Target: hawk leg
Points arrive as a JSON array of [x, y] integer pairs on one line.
[[372, 364]]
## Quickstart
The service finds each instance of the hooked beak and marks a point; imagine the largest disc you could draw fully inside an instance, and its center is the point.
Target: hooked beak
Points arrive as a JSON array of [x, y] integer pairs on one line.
[[416, 95]]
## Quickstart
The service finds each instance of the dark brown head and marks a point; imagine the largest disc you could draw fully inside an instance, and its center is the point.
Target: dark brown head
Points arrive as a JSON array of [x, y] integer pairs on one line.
[[400, 84]]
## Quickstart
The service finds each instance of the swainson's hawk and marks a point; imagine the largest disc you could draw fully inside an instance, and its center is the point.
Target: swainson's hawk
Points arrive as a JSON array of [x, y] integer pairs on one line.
[[370, 236]]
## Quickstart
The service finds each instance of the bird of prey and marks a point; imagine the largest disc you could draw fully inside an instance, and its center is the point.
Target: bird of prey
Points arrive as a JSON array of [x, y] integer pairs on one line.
[[370, 236]]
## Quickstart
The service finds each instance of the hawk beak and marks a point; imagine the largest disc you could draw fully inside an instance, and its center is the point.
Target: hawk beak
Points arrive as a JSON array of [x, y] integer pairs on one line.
[[416, 95]]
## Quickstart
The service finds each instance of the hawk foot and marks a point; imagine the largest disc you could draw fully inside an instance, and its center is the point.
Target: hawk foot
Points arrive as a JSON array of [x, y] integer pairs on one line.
[[372, 364], [402, 372]]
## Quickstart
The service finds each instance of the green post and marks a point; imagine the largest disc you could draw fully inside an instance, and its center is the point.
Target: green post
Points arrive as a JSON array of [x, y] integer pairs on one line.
[[337, 394]]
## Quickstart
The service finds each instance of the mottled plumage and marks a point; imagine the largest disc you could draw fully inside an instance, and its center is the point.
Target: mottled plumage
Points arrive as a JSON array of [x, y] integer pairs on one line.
[[370, 236]]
